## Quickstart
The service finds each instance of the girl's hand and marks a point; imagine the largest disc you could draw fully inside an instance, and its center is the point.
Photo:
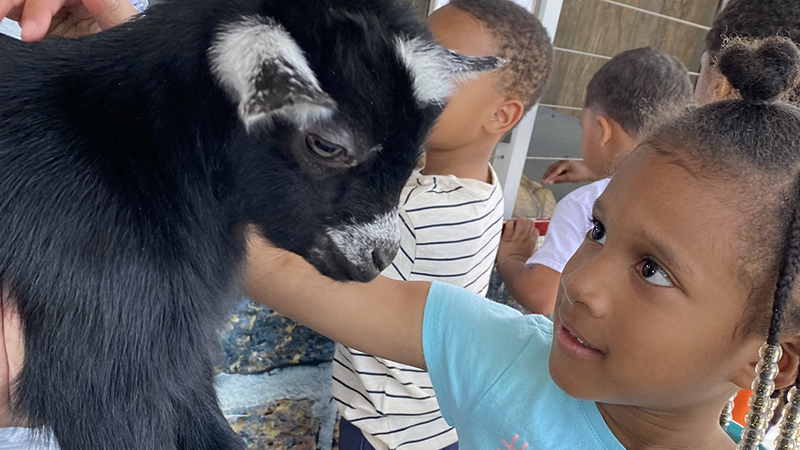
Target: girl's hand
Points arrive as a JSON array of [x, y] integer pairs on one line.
[[11, 358], [381, 318], [264, 260], [518, 241], [65, 18]]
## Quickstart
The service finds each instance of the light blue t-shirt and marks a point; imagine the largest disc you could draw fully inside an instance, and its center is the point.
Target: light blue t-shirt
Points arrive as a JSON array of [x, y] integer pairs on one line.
[[489, 367]]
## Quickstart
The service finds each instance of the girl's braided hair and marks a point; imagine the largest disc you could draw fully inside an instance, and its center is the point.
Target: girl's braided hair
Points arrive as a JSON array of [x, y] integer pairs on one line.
[[754, 140]]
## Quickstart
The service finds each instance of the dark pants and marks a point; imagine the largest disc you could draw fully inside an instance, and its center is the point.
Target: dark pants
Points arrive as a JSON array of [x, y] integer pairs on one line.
[[351, 438]]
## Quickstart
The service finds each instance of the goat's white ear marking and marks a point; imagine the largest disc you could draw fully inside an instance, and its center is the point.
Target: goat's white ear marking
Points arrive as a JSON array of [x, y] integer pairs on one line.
[[266, 72], [436, 70]]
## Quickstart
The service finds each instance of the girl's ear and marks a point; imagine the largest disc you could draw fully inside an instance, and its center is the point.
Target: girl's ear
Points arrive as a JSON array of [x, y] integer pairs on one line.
[[788, 367], [789, 363], [722, 88]]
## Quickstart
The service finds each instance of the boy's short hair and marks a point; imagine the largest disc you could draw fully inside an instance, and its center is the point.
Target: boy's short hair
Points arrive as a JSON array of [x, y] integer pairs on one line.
[[632, 84], [521, 40], [754, 19]]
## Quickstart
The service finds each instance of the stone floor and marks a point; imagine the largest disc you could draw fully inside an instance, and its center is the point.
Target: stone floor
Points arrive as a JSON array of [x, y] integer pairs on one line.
[[274, 380]]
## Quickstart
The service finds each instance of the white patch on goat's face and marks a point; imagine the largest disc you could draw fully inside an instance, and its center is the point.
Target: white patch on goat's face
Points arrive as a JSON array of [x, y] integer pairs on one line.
[[259, 63], [357, 241], [436, 71]]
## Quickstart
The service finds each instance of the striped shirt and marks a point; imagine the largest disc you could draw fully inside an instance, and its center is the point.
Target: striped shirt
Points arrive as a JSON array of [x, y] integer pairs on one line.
[[450, 231]]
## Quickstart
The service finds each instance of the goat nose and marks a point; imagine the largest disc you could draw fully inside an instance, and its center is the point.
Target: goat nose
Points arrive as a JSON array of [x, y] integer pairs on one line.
[[383, 256]]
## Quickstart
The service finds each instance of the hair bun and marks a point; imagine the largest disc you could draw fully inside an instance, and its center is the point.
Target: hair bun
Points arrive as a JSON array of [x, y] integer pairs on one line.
[[761, 70]]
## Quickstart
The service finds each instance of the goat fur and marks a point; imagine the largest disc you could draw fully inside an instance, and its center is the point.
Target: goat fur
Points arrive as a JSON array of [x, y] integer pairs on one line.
[[127, 182]]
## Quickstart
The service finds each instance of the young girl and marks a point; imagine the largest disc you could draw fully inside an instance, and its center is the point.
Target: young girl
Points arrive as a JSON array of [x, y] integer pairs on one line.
[[660, 314]]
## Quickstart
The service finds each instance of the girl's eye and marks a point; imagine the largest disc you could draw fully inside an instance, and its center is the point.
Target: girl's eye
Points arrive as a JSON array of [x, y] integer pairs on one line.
[[654, 274], [598, 232], [324, 149]]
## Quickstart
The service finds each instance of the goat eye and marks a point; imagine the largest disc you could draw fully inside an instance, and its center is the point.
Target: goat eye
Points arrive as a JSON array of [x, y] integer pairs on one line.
[[324, 149]]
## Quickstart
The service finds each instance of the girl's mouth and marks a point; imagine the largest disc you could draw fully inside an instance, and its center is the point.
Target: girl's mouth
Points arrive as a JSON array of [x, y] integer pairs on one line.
[[572, 343]]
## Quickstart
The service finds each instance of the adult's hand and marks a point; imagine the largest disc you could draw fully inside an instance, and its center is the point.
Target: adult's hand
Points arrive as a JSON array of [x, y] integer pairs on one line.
[[65, 18], [11, 358], [568, 171]]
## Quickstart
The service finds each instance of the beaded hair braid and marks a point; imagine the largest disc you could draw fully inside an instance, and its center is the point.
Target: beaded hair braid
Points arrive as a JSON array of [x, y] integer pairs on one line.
[[762, 402], [754, 140]]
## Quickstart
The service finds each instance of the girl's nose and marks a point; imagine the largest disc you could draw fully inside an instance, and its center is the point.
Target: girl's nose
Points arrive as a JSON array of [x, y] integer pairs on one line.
[[588, 281]]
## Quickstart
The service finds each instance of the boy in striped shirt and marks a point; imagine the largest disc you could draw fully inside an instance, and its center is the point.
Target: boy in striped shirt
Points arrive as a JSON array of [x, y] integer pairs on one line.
[[451, 217]]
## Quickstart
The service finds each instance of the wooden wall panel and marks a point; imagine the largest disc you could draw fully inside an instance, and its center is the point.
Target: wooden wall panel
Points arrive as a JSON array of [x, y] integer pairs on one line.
[[569, 90], [596, 27]]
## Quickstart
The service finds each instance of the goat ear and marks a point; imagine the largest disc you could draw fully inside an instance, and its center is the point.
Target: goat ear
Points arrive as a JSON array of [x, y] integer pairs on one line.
[[436, 70], [266, 72]]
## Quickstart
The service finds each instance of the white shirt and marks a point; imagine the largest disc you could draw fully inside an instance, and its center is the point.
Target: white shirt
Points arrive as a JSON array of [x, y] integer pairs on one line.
[[568, 227], [25, 439], [450, 230]]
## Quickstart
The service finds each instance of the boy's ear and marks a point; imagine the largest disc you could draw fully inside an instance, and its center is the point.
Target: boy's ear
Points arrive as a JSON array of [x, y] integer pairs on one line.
[[607, 128], [788, 367], [508, 114]]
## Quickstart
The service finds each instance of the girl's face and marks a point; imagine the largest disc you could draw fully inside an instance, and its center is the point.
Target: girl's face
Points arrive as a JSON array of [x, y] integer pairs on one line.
[[649, 306]]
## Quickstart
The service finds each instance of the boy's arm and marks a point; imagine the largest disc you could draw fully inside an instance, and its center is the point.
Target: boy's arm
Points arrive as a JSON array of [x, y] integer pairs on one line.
[[568, 171], [382, 318], [535, 288]]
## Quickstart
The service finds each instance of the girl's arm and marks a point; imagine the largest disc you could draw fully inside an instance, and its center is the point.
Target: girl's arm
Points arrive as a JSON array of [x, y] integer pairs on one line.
[[382, 318]]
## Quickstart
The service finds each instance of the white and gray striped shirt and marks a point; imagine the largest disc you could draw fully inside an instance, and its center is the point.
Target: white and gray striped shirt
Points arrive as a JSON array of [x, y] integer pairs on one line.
[[450, 232]]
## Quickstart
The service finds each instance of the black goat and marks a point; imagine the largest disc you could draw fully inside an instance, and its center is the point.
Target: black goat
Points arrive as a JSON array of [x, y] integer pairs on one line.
[[133, 161]]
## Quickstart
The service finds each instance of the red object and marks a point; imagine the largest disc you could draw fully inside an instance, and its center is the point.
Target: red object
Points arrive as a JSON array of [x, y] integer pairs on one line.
[[541, 225]]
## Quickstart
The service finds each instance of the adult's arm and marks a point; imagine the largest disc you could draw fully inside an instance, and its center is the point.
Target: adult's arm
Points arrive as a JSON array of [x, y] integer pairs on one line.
[[66, 18], [11, 357]]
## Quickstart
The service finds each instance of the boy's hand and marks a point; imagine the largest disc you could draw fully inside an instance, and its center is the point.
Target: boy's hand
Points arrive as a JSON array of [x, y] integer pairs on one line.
[[518, 241], [65, 18], [568, 171], [11, 358]]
